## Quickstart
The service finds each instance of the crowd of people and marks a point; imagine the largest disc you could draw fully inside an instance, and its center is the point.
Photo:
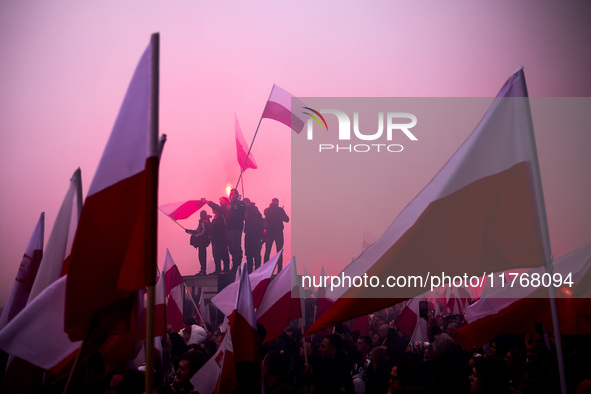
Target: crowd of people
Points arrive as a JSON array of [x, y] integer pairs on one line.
[[231, 218], [380, 359], [383, 360]]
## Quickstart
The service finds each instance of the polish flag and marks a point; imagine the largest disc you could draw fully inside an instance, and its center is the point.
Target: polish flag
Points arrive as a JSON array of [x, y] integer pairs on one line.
[[59, 244], [242, 148], [243, 324], [114, 251], [202, 315], [37, 334], [21, 289], [218, 375], [174, 293], [408, 317], [225, 300], [281, 303], [515, 309], [483, 212], [181, 210], [279, 107]]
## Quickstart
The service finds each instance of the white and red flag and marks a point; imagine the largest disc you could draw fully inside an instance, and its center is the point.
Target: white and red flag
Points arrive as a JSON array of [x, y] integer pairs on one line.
[[407, 320], [174, 293], [37, 334], [240, 343], [59, 244], [243, 324], [21, 289], [181, 210], [279, 108], [225, 300], [242, 148], [218, 375], [202, 315], [482, 212], [114, 251], [515, 309], [281, 302]]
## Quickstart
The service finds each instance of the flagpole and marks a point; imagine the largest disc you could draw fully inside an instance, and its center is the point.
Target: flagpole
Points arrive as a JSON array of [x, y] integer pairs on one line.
[[79, 200], [196, 308], [151, 212], [252, 143], [545, 235], [249, 149], [176, 222]]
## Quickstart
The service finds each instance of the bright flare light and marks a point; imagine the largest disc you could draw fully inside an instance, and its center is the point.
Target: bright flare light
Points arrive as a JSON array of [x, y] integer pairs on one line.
[[228, 189], [567, 292]]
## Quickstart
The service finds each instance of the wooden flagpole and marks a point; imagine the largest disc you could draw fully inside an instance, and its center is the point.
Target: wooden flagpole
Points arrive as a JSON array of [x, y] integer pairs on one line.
[[545, 236], [151, 213]]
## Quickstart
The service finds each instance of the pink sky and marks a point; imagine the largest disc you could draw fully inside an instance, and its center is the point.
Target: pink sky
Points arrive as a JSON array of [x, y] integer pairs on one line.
[[66, 65]]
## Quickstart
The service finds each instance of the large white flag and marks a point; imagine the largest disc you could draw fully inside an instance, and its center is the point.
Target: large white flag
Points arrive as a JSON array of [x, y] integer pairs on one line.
[[482, 212]]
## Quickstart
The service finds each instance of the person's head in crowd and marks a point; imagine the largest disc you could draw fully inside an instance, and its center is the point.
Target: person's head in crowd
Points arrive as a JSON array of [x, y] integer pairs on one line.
[[383, 331], [378, 356], [331, 346], [488, 377], [130, 381], [440, 321], [444, 347], [209, 347], [451, 327], [492, 351], [217, 336], [403, 376], [194, 334], [224, 201], [234, 195], [473, 358], [515, 359], [363, 345], [311, 349], [189, 364], [375, 340]]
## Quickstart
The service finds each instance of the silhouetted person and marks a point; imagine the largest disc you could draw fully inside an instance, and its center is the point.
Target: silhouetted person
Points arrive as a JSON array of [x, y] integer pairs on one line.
[[275, 216], [200, 240], [233, 213], [254, 233], [219, 242]]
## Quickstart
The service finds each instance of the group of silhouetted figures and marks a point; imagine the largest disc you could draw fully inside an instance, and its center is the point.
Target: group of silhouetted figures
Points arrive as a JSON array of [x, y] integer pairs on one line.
[[232, 217]]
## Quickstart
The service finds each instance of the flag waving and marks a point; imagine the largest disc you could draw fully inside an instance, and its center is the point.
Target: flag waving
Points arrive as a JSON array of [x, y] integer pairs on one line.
[[174, 293], [26, 274], [59, 244], [279, 108], [259, 280], [114, 250], [181, 210], [243, 324], [281, 302], [482, 212], [245, 160]]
